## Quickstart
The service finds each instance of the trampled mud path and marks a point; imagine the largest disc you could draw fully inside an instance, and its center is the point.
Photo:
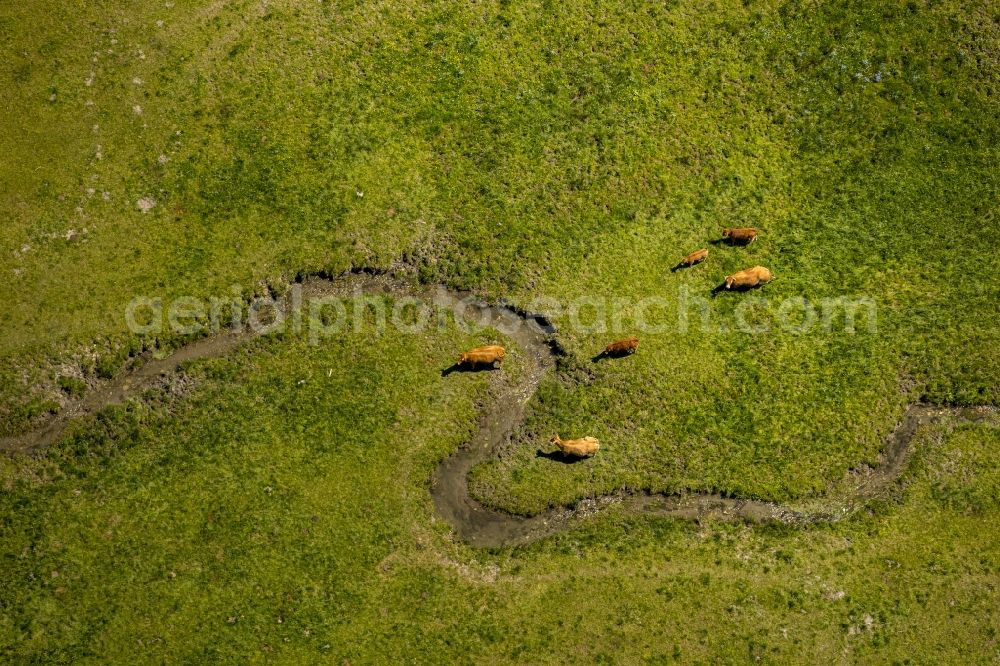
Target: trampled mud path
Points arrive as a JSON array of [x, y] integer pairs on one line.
[[473, 522]]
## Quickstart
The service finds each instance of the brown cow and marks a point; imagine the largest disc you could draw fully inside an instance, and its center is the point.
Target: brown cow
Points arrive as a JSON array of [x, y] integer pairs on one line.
[[740, 235], [579, 448], [695, 257], [486, 355], [748, 278], [621, 347]]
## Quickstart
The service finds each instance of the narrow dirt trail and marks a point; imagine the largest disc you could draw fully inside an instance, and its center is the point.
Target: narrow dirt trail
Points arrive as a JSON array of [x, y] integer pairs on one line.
[[475, 523]]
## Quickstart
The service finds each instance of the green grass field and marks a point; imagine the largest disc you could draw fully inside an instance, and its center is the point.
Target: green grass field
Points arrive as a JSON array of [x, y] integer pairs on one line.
[[274, 504]]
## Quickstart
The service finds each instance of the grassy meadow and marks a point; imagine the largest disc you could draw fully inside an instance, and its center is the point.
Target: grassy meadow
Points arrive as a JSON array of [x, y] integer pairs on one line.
[[274, 504]]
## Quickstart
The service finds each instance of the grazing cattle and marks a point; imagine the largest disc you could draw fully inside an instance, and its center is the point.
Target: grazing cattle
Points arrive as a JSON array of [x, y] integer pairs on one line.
[[748, 278], [580, 448], [621, 347], [740, 235], [695, 257], [487, 355]]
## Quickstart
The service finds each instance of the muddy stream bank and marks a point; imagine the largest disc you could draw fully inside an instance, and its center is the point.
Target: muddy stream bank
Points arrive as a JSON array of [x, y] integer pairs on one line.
[[475, 523]]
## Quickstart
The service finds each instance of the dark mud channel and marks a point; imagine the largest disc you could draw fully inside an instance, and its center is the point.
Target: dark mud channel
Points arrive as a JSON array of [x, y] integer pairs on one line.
[[473, 522]]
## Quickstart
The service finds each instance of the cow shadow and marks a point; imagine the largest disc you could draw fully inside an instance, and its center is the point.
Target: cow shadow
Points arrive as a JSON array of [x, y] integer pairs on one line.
[[682, 266], [466, 368], [558, 456], [722, 287], [603, 356]]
